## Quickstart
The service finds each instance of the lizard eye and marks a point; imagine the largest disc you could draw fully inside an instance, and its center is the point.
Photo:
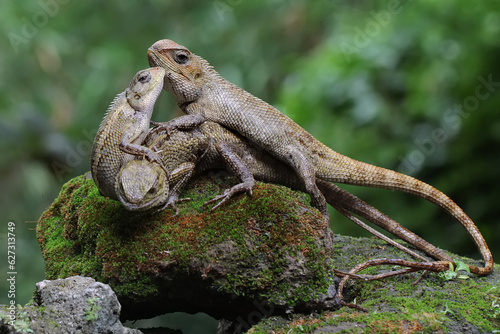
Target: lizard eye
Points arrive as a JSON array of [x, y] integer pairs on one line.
[[137, 96], [181, 58], [144, 78], [154, 188]]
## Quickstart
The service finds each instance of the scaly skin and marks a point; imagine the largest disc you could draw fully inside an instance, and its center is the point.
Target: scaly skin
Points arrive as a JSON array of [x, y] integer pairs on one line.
[[123, 129], [210, 146], [201, 92]]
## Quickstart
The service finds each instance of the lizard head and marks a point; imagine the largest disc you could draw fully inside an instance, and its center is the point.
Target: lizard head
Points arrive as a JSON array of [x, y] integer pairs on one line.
[[185, 75], [142, 185], [145, 88]]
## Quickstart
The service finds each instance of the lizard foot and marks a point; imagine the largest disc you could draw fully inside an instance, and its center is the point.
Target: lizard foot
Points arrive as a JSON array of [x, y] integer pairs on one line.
[[186, 122], [229, 193], [159, 129]]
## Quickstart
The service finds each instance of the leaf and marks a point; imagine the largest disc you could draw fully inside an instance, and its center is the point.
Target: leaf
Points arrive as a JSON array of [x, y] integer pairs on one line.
[[462, 266], [449, 275]]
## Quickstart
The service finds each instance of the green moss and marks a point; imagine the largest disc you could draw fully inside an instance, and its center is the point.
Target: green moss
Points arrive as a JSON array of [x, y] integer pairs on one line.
[[397, 306], [84, 233]]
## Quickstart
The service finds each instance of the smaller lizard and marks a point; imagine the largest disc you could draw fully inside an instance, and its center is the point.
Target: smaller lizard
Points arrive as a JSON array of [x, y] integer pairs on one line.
[[123, 129]]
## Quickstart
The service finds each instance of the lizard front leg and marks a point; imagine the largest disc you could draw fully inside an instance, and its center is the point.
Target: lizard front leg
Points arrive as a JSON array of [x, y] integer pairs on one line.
[[139, 150], [237, 166], [128, 145], [146, 152], [186, 122]]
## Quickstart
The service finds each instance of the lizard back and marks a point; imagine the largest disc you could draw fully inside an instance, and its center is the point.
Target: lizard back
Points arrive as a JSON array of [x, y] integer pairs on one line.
[[105, 148]]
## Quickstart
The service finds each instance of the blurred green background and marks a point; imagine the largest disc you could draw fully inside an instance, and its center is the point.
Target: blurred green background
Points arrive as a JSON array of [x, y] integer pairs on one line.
[[411, 86]]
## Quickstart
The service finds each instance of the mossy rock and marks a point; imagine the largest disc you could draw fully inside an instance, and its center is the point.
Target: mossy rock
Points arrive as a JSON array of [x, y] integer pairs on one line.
[[397, 305], [434, 305], [271, 248], [267, 256]]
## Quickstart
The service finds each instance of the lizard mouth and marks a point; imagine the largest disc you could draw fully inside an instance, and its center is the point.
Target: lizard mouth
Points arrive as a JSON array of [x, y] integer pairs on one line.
[[156, 59], [139, 207]]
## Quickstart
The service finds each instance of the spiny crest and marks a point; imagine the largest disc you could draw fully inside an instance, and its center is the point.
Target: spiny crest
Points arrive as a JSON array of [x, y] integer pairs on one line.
[[115, 104], [207, 68]]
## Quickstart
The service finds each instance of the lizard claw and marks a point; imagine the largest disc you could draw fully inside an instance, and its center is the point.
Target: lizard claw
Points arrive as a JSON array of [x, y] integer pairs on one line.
[[224, 198], [172, 202], [229, 193]]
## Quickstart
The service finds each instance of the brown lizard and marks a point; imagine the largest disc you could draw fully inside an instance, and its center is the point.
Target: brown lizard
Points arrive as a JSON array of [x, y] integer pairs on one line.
[[123, 129], [203, 94]]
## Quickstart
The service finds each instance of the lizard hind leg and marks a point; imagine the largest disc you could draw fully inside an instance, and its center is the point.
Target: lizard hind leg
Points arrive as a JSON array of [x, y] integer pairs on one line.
[[236, 165], [306, 173]]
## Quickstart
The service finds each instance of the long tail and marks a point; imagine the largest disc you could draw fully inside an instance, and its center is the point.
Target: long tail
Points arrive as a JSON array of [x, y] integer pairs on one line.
[[343, 200], [336, 167]]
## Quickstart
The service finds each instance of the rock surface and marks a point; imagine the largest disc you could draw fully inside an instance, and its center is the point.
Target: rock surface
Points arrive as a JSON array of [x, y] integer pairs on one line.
[[72, 305], [268, 256], [434, 305]]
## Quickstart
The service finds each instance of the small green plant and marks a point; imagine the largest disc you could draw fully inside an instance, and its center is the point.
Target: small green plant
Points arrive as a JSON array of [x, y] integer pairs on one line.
[[494, 311], [21, 324], [448, 310], [92, 310], [22, 327], [453, 272]]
